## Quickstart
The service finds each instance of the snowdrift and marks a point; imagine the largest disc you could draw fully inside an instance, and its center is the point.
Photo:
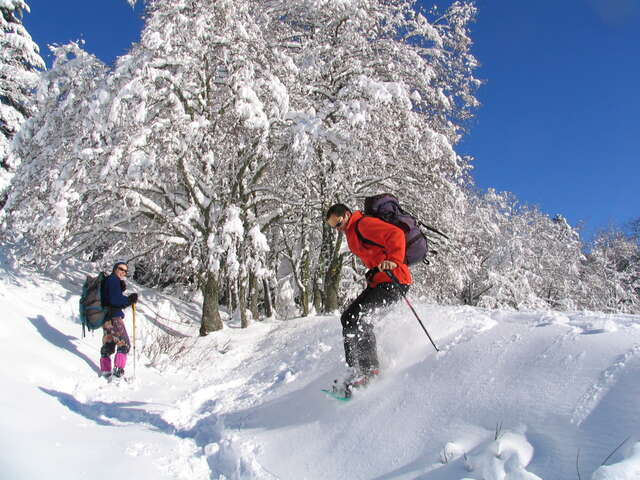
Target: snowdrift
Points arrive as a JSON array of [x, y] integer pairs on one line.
[[512, 395]]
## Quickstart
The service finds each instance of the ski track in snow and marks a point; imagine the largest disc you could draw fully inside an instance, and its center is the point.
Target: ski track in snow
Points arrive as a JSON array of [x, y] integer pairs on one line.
[[510, 395], [606, 380]]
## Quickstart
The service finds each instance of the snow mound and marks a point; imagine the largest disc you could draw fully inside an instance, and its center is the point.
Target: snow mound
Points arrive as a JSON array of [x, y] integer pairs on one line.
[[627, 469]]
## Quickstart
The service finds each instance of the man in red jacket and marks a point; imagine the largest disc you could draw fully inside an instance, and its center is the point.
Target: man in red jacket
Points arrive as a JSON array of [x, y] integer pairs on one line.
[[387, 255]]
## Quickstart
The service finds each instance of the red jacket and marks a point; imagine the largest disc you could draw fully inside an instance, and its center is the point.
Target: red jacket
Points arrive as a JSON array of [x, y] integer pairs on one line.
[[384, 233]]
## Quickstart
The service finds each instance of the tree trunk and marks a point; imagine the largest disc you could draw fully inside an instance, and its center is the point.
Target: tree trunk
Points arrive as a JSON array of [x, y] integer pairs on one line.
[[242, 303], [233, 295], [304, 283], [211, 320], [331, 286], [253, 296], [332, 273], [268, 303], [317, 294]]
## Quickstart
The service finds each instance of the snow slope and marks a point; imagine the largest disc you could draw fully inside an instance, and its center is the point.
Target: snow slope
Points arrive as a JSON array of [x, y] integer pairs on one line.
[[511, 395]]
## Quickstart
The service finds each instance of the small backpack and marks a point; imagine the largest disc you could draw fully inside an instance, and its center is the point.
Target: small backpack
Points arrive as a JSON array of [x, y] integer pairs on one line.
[[387, 207], [92, 313]]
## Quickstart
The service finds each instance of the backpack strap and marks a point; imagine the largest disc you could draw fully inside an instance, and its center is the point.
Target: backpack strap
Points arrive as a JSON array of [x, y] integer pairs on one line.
[[366, 241], [362, 238], [431, 229]]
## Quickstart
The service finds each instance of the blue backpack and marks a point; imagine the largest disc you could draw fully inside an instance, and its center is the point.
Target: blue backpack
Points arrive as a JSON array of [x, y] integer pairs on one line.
[[92, 313], [387, 207]]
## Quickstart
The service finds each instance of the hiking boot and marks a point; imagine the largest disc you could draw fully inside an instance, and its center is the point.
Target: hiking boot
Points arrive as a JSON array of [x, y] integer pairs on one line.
[[343, 386], [373, 373], [118, 372], [359, 380], [363, 379]]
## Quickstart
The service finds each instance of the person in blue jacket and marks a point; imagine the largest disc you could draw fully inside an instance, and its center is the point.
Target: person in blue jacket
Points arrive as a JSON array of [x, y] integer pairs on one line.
[[115, 338]]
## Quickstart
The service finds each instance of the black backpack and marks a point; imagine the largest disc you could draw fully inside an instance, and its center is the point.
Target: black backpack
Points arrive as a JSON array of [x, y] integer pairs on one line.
[[92, 312], [386, 206]]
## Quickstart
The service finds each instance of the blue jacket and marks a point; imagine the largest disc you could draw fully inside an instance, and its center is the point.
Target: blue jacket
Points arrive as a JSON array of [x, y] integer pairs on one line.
[[112, 296]]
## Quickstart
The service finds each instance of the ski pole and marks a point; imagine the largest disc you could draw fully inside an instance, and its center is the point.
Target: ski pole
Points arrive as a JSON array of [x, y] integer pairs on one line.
[[133, 307], [397, 282]]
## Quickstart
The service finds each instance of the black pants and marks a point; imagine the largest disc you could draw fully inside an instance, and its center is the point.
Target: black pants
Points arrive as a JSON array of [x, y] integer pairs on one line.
[[357, 328]]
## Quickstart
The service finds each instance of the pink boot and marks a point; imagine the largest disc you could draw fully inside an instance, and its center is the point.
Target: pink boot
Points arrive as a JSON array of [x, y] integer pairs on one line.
[[105, 366], [120, 362]]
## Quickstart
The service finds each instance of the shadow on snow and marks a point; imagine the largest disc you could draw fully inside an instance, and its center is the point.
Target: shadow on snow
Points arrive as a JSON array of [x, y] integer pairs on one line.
[[59, 339]]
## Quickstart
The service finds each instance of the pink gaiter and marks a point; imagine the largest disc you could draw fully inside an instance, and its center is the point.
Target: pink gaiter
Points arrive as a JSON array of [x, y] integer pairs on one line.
[[105, 364], [121, 360]]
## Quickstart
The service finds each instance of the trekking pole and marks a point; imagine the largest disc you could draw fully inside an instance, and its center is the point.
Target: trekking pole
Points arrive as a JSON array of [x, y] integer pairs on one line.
[[397, 282], [133, 307]]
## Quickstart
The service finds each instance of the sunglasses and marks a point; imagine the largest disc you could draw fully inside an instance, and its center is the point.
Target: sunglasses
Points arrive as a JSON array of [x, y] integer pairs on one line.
[[339, 224], [123, 270]]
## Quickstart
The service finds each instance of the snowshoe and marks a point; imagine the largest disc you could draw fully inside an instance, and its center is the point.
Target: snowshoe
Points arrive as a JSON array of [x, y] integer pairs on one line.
[[361, 380], [344, 390]]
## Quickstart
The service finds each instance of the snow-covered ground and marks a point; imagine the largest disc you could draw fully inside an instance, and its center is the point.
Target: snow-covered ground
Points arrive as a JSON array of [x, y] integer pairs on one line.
[[512, 395]]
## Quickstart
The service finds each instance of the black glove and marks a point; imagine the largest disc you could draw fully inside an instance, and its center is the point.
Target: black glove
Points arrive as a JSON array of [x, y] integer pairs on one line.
[[123, 286], [133, 298], [370, 274]]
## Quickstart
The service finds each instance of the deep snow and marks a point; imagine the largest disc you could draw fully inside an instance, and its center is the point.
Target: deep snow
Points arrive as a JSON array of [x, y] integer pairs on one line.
[[555, 389]]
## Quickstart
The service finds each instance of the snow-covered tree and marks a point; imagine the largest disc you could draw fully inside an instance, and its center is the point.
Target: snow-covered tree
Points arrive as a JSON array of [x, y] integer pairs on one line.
[[20, 63], [172, 170], [633, 228], [515, 256], [377, 91], [229, 118], [476, 241], [205, 95], [611, 274], [210, 153], [58, 149]]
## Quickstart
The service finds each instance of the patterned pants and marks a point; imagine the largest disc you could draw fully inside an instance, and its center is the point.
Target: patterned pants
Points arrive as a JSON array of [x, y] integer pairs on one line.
[[114, 336]]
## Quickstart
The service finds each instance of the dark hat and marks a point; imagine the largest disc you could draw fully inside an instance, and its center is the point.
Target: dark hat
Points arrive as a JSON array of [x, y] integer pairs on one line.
[[116, 266]]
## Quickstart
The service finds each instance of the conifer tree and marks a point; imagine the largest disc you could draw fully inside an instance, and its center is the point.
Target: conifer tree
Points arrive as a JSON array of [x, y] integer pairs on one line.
[[20, 62]]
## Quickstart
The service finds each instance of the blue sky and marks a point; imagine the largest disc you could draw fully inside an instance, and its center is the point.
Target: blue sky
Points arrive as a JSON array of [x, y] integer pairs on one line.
[[560, 121]]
